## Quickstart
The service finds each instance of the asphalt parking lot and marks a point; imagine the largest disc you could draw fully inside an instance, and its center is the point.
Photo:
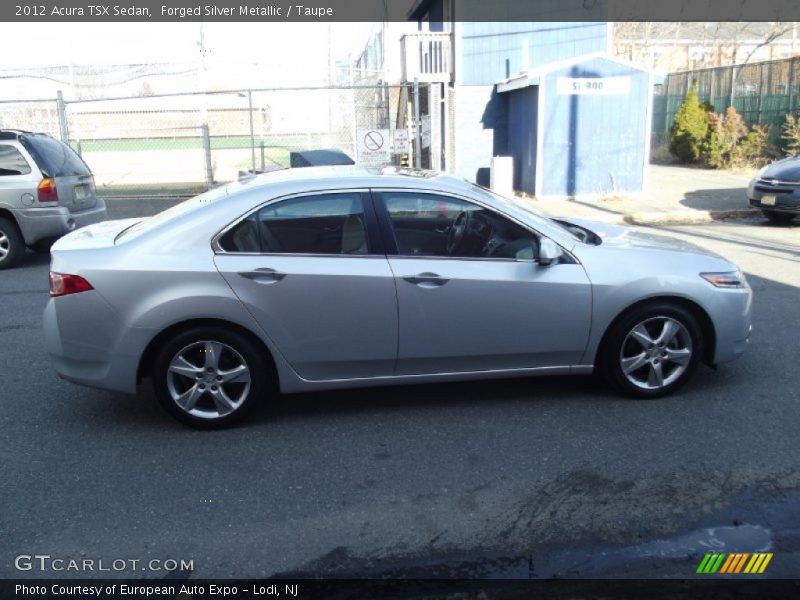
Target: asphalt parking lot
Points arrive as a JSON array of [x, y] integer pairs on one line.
[[529, 477]]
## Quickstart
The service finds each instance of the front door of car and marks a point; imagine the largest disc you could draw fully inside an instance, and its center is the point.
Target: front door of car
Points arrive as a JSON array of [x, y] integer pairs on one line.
[[306, 268], [471, 294]]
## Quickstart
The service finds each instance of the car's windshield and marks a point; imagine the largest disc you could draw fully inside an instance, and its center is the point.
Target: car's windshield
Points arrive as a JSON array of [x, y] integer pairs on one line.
[[535, 216], [171, 213]]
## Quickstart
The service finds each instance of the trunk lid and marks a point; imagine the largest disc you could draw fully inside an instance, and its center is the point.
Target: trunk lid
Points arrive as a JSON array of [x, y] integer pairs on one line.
[[99, 235]]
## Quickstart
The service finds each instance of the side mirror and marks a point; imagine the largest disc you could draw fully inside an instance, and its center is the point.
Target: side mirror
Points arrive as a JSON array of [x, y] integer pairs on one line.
[[549, 252]]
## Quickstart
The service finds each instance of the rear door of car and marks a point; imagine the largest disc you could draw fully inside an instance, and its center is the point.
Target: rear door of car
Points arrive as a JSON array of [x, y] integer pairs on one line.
[[312, 271], [73, 178]]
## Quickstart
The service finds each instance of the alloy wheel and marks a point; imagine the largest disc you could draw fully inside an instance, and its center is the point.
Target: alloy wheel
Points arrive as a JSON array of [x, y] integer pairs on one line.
[[208, 379], [656, 352], [5, 245]]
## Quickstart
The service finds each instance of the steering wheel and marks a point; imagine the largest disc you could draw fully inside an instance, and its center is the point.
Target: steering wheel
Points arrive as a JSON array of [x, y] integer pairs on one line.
[[457, 231]]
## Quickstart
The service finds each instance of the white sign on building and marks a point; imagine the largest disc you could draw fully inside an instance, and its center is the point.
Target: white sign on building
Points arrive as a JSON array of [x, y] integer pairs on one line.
[[374, 147], [593, 86]]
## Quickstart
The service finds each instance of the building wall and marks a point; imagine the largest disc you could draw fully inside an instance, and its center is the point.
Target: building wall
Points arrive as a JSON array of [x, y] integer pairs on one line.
[[593, 144], [488, 52], [480, 129]]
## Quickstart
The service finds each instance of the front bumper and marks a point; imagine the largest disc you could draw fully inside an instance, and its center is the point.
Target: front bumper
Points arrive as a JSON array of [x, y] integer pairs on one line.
[[733, 323], [765, 195], [42, 223]]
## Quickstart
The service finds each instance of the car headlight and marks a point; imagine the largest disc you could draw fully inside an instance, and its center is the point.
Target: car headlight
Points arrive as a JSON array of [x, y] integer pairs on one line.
[[729, 279]]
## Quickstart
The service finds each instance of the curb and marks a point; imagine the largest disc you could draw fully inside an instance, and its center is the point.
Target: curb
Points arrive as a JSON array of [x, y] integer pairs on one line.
[[686, 217]]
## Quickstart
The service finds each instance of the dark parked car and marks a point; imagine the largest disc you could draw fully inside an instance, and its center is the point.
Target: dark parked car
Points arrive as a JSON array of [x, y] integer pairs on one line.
[[319, 158], [776, 190]]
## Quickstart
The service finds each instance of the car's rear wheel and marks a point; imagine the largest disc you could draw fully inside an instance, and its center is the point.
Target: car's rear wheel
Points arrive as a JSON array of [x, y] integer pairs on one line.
[[652, 350], [779, 218], [12, 246], [208, 377]]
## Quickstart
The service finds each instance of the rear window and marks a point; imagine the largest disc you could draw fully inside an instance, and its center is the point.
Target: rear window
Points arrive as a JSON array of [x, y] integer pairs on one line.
[[174, 212], [54, 158]]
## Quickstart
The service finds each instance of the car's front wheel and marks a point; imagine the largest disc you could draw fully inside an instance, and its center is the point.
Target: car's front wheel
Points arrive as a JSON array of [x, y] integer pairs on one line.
[[652, 350], [779, 218], [208, 377]]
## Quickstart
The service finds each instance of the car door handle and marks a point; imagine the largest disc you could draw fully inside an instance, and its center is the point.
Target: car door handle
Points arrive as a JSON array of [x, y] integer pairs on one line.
[[263, 275], [427, 280]]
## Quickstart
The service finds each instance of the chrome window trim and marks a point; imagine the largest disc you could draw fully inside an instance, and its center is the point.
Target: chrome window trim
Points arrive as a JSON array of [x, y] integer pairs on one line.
[[484, 206], [217, 249]]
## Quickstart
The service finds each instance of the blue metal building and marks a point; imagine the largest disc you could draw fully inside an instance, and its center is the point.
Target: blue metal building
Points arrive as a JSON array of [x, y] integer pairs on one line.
[[579, 127], [488, 52]]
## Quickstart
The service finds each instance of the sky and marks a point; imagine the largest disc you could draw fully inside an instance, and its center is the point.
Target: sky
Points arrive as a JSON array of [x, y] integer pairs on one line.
[[297, 45]]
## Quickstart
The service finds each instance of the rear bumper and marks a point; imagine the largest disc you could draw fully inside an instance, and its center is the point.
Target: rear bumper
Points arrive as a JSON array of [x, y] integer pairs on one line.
[[88, 344], [52, 222]]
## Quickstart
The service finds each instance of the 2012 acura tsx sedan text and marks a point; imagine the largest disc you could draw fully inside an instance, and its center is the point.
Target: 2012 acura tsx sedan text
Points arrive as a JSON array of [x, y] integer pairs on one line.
[[334, 277]]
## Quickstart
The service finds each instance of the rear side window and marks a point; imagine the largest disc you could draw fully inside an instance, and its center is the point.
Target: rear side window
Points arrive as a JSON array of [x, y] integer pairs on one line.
[[54, 158], [12, 162], [320, 224]]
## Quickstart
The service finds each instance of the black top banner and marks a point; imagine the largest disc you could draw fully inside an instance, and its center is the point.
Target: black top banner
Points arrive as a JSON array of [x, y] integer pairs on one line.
[[399, 10]]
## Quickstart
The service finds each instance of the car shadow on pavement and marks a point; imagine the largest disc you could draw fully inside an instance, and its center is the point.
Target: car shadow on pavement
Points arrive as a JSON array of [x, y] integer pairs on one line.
[[433, 395], [33, 259], [110, 409], [716, 199]]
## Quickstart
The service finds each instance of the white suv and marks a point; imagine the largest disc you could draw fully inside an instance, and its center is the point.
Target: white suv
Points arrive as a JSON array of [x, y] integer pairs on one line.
[[46, 191]]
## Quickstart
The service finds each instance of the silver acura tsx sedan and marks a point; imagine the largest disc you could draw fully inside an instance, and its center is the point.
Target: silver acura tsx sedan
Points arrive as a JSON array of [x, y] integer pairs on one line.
[[333, 277]]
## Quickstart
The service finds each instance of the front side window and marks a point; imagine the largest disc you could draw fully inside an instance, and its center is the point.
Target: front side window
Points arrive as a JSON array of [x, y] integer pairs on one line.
[[321, 224], [437, 225], [12, 162]]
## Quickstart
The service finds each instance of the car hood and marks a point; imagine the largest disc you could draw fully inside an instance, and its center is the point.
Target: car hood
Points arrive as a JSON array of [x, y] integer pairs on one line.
[[627, 237], [99, 235], [787, 170]]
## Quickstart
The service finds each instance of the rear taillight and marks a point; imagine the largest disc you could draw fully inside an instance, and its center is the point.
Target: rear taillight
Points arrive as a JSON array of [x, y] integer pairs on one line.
[[62, 284], [47, 190]]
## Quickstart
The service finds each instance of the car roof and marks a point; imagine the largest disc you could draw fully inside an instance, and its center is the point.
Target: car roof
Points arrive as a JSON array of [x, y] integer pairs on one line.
[[14, 134], [344, 176]]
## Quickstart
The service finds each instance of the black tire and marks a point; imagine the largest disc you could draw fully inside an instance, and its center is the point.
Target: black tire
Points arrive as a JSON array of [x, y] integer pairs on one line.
[[192, 344], [620, 342], [43, 246], [12, 246], [778, 218]]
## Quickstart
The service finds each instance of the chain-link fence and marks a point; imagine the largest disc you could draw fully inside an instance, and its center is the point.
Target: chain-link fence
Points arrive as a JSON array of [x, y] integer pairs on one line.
[[761, 92], [186, 142]]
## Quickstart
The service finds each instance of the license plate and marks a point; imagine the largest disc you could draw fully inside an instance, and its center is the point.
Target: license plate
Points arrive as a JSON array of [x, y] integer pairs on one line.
[[768, 200]]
